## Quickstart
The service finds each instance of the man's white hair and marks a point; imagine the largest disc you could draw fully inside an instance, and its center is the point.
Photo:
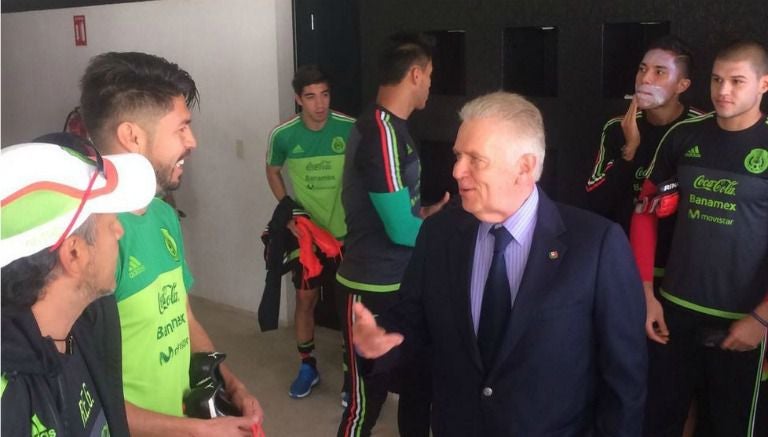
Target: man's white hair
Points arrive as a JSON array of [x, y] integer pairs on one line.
[[520, 114]]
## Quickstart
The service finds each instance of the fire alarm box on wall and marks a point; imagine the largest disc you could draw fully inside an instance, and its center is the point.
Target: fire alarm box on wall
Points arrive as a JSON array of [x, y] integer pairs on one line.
[[80, 37]]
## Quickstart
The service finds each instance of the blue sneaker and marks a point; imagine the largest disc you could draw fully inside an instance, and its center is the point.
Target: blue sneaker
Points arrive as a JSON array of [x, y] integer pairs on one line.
[[307, 378]]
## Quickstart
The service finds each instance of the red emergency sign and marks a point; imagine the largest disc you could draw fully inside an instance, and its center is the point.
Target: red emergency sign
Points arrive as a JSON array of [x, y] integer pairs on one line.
[[80, 38]]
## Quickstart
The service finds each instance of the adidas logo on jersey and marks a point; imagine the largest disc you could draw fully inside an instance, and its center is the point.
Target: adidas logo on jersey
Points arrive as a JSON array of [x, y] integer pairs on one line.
[[693, 152], [135, 267], [297, 149]]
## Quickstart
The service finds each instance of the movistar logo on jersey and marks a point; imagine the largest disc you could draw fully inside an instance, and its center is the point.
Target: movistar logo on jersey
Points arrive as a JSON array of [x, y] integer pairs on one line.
[[39, 429], [408, 149], [85, 404], [166, 297], [135, 267], [170, 244], [297, 149], [338, 145], [173, 351], [165, 358], [696, 214], [721, 186], [756, 161], [693, 152]]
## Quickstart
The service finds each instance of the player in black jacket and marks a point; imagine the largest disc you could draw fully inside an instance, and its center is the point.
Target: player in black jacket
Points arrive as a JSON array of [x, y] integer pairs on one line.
[[58, 254], [628, 142], [708, 320]]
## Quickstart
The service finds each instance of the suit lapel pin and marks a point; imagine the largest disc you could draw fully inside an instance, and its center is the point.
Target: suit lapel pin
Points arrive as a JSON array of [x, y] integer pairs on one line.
[[553, 254]]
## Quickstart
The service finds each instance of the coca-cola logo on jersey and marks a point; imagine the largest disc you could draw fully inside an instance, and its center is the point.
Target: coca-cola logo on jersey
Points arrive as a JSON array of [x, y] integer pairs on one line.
[[722, 186]]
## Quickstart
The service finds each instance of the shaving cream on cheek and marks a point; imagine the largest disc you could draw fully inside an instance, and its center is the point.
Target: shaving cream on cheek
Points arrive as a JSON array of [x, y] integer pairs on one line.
[[650, 96]]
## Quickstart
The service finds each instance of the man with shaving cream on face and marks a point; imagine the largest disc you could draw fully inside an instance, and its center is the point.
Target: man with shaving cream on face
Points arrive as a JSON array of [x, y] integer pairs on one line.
[[628, 143]]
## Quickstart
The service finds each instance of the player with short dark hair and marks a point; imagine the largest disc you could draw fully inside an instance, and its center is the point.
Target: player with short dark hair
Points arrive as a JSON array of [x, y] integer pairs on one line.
[[309, 148], [628, 142], [708, 321], [137, 102], [401, 52], [382, 201]]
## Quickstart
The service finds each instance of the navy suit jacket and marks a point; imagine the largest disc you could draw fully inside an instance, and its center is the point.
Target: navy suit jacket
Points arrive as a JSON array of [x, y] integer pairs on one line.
[[573, 360]]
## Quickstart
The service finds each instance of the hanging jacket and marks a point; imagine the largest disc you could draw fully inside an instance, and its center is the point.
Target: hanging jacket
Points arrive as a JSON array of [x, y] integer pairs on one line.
[[279, 243], [32, 398], [314, 236]]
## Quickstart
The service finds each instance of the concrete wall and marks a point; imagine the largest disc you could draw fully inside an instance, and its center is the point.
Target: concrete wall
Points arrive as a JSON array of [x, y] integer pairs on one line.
[[240, 53]]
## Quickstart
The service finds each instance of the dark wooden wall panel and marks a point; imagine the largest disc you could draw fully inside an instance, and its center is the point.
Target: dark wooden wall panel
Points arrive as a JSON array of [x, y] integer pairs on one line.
[[574, 118]]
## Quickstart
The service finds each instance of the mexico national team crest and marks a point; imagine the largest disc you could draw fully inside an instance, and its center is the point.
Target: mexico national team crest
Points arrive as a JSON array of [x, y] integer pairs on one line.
[[338, 145], [756, 161], [170, 244]]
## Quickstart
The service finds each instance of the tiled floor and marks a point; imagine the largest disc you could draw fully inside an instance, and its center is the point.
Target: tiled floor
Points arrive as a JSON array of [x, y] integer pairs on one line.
[[268, 362]]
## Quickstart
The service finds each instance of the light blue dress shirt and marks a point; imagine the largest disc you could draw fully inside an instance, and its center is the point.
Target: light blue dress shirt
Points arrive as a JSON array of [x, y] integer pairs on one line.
[[521, 225]]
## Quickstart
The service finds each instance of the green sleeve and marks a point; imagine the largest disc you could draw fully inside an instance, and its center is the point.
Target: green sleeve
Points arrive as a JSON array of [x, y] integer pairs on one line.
[[275, 153], [394, 210]]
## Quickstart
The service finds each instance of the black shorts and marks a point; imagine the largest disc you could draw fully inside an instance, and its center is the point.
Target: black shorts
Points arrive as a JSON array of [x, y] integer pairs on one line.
[[724, 384], [326, 277]]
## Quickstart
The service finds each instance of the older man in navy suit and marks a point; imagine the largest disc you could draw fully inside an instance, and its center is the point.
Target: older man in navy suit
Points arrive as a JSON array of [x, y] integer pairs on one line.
[[534, 311]]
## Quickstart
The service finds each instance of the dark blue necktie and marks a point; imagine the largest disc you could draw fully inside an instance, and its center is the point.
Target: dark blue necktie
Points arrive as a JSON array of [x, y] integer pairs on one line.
[[497, 303]]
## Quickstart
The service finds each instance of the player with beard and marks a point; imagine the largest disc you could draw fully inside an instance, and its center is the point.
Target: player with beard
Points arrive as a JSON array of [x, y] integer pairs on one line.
[[135, 102], [628, 142]]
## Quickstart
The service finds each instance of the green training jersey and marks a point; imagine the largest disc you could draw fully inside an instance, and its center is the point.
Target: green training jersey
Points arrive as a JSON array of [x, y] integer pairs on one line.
[[152, 283], [314, 161]]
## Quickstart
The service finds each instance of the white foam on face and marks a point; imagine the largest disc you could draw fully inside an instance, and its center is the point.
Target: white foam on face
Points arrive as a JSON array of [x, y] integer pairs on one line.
[[650, 96]]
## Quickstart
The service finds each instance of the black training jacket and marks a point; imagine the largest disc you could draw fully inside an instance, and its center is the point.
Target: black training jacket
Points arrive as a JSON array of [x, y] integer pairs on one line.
[[32, 378]]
